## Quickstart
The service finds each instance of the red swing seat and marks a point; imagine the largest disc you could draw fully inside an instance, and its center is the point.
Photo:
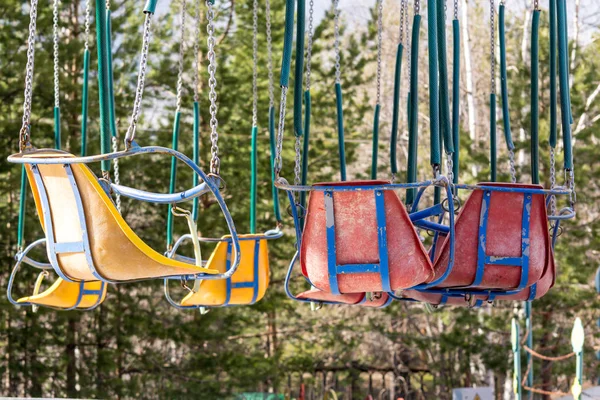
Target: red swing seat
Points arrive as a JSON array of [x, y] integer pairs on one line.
[[368, 245], [349, 298], [496, 240]]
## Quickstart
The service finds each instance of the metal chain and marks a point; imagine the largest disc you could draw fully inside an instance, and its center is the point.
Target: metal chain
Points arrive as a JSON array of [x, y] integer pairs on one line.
[[270, 53], [570, 178], [513, 171], [450, 169], [417, 7], [379, 47], [117, 180], [181, 56], [282, 104], [408, 44], [108, 4], [402, 10], [336, 19], [55, 37], [298, 149], [137, 104], [24, 135], [456, 10], [197, 53], [493, 46], [86, 42], [255, 63], [552, 181], [536, 5], [310, 42], [215, 162]]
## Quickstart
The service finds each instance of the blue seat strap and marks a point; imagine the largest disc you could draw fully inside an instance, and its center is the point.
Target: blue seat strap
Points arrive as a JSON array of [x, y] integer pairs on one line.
[[384, 268], [331, 253]]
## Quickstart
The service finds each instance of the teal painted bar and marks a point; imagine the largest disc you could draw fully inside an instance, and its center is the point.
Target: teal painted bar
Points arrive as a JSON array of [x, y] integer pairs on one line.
[[288, 40], [396, 110], [553, 82], [445, 126], [434, 107], [535, 119], [305, 148], [22, 209], [253, 181], [274, 191], [196, 156], [57, 128], [493, 150], [84, 101], [413, 129], [150, 7], [563, 71], [173, 177], [375, 151], [109, 69], [340, 125], [299, 69], [103, 86], [504, 80], [456, 99]]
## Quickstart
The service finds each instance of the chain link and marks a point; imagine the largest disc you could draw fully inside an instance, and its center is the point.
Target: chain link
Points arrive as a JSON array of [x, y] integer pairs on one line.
[[570, 178], [298, 149], [137, 104], [255, 63], [310, 43], [402, 11], [55, 37], [417, 7], [552, 181], [86, 42], [379, 46], [282, 104], [336, 19], [115, 148], [24, 135], [270, 53], [450, 169], [197, 53], [536, 5], [181, 56], [456, 10], [108, 4], [513, 171], [408, 44], [215, 162], [493, 46]]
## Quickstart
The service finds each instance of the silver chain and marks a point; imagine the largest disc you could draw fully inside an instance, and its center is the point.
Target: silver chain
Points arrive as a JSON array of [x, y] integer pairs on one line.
[[493, 46], [536, 5], [24, 135], [408, 45], [181, 56], [456, 10], [511, 160], [280, 128], [402, 11], [86, 42], [310, 42], [570, 178], [450, 168], [215, 162], [379, 46], [197, 53], [552, 181], [270, 53], [139, 92], [298, 149], [116, 172], [55, 37], [417, 7], [336, 19], [108, 4], [255, 63]]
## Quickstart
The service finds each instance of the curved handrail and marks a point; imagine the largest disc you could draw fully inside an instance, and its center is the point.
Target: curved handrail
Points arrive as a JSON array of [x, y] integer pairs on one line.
[[136, 150], [160, 198]]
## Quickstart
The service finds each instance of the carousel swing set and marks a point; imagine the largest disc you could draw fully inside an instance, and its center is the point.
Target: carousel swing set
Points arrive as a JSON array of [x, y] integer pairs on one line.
[[357, 242]]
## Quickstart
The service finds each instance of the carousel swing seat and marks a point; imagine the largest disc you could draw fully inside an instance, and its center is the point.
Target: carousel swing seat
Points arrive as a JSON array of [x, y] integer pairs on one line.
[[358, 238], [87, 239]]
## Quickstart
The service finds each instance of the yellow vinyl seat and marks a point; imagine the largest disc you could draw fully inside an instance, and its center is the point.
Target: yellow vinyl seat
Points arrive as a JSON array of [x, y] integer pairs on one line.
[[87, 238], [69, 295]]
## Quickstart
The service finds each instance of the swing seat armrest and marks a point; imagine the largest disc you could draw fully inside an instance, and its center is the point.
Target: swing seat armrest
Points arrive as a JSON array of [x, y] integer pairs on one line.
[[161, 198]]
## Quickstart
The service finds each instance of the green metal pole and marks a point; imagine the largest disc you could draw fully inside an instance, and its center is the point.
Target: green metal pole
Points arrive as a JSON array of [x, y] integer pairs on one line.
[[253, 181], [396, 110], [563, 70], [375, 151], [111, 91], [493, 151], [413, 130], [305, 145], [196, 156], [553, 72], [299, 69], [84, 101], [22, 209], [103, 82], [516, 349], [57, 127], [504, 79], [274, 191], [535, 120], [434, 107], [173, 177], [456, 99], [340, 125], [444, 100]]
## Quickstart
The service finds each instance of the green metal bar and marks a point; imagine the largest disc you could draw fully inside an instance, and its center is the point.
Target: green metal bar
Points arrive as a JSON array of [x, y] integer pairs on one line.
[[340, 125], [444, 100], [493, 151], [305, 148], [413, 129], [529, 342], [109, 70], [553, 82], [375, 151], [434, 108], [504, 80], [103, 85], [288, 41], [516, 350], [535, 119], [299, 74], [273, 150], [456, 99], [196, 156], [150, 6], [563, 71], [22, 209], [396, 110], [84, 101], [253, 180], [57, 128], [173, 177]]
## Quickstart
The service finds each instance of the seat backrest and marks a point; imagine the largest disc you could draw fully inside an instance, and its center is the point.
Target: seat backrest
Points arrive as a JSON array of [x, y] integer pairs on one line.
[[497, 231], [360, 239]]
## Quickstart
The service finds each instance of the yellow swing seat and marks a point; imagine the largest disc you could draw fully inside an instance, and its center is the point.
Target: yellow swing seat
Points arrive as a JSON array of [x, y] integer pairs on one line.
[[87, 238], [69, 295], [246, 286]]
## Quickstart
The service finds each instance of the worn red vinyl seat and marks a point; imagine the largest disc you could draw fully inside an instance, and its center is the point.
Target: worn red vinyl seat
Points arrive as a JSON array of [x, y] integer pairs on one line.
[[360, 299], [501, 240], [361, 240]]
